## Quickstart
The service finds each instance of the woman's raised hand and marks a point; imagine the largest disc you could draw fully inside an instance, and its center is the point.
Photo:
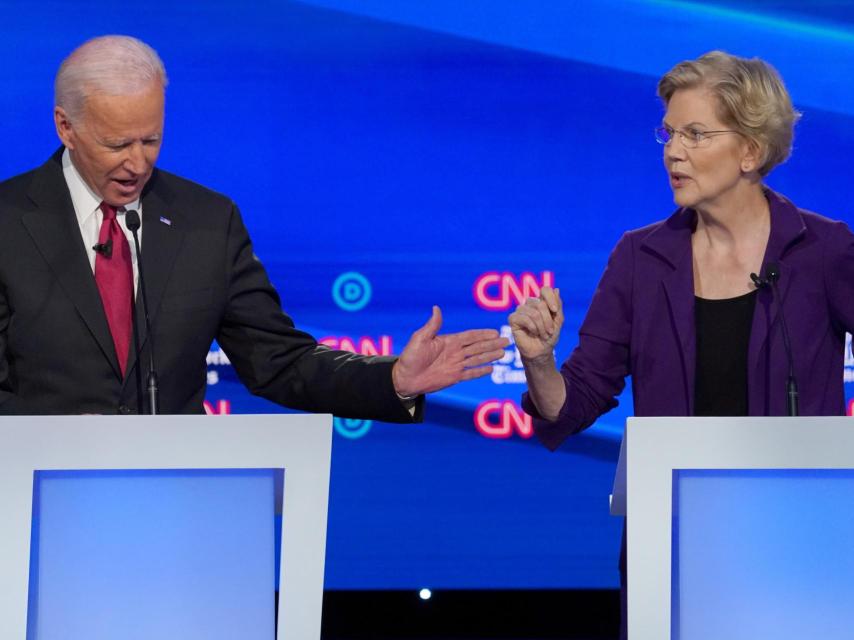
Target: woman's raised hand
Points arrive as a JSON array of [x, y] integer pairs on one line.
[[536, 325]]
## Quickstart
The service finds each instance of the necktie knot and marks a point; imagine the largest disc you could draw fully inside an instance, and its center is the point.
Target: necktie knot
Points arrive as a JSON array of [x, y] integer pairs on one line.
[[109, 211]]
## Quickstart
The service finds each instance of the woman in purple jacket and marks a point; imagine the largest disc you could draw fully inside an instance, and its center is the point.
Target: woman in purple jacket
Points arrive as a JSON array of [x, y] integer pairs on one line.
[[685, 305]]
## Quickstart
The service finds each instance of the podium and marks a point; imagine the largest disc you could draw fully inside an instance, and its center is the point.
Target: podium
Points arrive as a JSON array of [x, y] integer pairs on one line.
[[738, 528], [192, 502]]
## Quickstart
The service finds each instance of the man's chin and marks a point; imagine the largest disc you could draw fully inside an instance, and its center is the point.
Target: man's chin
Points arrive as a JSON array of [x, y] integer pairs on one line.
[[120, 198]]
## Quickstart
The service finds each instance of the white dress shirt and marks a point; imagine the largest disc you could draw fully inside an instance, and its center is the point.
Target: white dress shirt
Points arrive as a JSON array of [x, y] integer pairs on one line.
[[87, 207]]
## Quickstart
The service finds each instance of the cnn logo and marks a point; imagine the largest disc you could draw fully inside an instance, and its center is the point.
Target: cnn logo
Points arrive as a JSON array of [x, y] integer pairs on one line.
[[364, 346], [501, 419], [222, 408], [501, 291]]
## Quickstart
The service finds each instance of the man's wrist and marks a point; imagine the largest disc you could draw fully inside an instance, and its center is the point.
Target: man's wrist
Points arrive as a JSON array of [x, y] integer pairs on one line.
[[402, 393]]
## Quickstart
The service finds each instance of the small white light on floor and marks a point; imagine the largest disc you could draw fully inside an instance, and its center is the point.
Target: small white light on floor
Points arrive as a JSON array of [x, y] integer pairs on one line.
[[425, 594]]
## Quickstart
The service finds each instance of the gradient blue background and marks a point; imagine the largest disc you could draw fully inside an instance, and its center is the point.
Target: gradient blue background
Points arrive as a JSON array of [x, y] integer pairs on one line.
[[422, 144]]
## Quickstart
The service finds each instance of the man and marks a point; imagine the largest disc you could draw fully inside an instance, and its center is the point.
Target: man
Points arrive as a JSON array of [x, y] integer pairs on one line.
[[69, 342]]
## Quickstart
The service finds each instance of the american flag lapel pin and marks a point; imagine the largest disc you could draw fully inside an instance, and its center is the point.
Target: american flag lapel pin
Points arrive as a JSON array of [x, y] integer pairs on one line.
[[165, 220]]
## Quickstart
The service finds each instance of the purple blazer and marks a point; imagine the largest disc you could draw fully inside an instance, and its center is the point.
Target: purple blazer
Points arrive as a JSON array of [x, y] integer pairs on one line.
[[641, 323]]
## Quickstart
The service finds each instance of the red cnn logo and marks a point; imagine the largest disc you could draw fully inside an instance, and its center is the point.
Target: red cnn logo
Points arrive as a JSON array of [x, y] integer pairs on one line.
[[501, 291], [501, 418], [223, 408], [366, 347], [851, 407]]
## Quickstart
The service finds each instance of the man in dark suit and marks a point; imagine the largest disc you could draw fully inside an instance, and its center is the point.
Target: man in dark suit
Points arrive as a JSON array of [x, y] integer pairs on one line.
[[69, 341]]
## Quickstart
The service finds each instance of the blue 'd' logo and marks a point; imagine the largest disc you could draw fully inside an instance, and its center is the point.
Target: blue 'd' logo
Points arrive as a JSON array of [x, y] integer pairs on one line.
[[351, 428], [351, 291]]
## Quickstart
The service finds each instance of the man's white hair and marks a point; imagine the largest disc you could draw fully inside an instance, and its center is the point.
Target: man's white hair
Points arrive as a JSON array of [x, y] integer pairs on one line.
[[107, 65]]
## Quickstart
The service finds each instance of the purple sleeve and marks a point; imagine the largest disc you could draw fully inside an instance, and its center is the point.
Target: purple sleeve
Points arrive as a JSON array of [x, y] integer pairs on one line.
[[595, 372], [839, 276]]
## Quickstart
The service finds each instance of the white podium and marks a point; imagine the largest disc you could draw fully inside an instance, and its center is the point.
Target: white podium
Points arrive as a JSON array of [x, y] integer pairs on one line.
[[162, 526], [739, 528]]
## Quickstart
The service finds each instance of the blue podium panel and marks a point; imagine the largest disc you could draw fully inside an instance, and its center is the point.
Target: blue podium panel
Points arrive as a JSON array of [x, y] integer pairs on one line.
[[141, 554], [763, 554]]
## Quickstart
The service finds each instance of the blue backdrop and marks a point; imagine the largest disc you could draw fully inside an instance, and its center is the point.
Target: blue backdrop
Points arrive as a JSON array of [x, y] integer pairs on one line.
[[393, 154]]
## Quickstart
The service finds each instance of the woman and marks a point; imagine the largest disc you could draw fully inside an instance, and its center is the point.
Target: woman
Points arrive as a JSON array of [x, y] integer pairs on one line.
[[677, 308]]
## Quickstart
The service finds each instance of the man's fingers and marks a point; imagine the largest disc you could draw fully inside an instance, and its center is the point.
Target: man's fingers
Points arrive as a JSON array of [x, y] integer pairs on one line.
[[479, 372], [479, 359], [494, 345], [472, 336], [432, 326]]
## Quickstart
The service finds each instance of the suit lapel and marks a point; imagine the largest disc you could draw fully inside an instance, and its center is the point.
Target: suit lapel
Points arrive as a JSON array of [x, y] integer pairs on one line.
[[161, 243], [54, 229]]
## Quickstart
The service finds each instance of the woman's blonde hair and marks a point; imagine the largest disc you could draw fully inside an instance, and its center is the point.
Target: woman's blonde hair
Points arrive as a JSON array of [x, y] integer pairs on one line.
[[751, 97]]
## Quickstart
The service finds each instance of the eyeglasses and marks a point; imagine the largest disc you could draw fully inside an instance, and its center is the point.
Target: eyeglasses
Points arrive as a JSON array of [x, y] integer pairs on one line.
[[691, 138]]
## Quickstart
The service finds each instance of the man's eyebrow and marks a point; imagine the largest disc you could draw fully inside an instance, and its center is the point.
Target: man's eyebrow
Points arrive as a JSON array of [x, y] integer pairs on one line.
[[118, 142], [115, 142]]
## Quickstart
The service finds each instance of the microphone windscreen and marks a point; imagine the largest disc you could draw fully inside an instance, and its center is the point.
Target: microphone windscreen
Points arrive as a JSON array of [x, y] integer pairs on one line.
[[132, 220]]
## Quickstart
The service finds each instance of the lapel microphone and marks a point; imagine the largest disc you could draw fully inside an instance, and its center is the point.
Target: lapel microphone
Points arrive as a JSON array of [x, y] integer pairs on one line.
[[104, 248], [769, 280], [133, 224]]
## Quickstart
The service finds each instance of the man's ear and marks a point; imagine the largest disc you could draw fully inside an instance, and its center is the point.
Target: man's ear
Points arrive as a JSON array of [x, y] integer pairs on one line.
[[63, 127]]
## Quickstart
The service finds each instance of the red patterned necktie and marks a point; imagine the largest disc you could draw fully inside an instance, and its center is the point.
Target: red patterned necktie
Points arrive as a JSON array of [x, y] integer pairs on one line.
[[114, 277]]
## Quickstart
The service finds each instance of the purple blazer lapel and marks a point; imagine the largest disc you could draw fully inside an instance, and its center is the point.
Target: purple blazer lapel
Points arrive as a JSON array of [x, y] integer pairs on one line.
[[787, 227], [672, 243]]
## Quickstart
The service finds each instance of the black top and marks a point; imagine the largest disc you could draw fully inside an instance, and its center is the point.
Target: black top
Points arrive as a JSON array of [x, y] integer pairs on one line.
[[723, 335]]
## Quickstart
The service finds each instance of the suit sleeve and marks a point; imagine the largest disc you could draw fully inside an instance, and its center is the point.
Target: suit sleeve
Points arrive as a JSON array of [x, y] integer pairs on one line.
[[277, 361], [595, 372], [10, 403]]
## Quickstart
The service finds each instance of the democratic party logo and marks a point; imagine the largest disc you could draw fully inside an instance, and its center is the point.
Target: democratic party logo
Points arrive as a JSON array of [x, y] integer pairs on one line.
[[351, 428], [500, 291], [351, 291]]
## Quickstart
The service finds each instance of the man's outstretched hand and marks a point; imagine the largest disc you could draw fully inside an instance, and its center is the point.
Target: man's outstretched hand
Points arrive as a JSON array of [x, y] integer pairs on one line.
[[431, 362]]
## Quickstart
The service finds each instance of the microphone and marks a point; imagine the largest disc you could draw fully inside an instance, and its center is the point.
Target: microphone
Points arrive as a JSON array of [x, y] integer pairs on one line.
[[133, 224], [772, 274], [104, 248]]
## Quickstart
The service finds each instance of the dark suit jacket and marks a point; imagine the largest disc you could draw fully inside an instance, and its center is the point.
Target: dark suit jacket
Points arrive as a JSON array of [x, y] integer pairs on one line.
[[203, 283], [641, 323]]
